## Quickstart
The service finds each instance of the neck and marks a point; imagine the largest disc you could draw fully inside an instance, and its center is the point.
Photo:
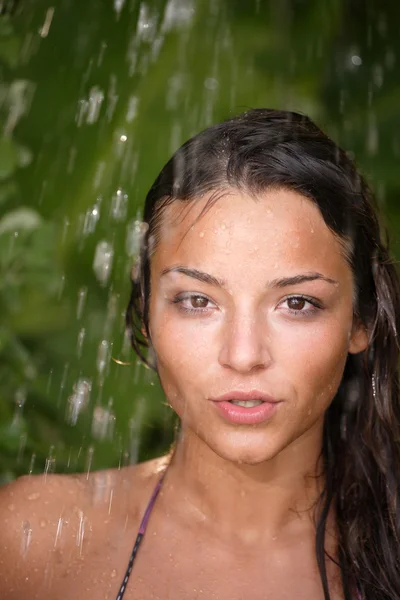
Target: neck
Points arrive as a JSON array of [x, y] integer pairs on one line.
[[253, 501]]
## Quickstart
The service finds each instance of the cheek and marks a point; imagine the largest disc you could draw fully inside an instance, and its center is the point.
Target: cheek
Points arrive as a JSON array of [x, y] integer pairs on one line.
[[314, 361], [184, 353], [179, 343]]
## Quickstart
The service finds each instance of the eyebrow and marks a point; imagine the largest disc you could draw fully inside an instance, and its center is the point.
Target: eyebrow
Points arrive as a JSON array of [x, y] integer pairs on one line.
[[275, 283]]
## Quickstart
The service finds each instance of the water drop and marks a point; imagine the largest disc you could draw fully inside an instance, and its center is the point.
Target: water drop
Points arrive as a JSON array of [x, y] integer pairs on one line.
[[132, 111], [119, 205], [147, 22], [103, 422], [178, 13], [32, 464], [44, 31], [81, 532], [20, 397], [26, 537], [82, 295], [103, 356], [103, 260], [96, 98], [118, 6], [356, 60], [91, 219], [50, 465], [34, 496], [211, 83], [79, 400], [59, 530], [81, 338], [89, 459], [134, 236]]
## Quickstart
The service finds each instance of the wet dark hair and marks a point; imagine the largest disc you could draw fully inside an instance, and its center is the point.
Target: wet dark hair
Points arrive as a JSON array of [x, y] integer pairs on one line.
[[264, 149]]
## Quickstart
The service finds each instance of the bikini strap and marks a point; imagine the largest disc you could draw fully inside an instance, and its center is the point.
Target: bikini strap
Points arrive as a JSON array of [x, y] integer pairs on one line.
[[142, 530]]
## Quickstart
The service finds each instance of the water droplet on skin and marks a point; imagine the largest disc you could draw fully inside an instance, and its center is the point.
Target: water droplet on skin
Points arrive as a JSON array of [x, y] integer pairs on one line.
[[201, 234], [113, 573], [81, 532], [11, 507], [34, 496], [59, 530], [26, 537], [43, 523]]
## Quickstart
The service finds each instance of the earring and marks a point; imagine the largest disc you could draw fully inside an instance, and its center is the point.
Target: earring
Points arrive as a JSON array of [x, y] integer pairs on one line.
[[374, 386]]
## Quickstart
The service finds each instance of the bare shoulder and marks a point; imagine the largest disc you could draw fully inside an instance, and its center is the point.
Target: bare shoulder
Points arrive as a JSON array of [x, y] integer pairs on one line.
[[56, 520]]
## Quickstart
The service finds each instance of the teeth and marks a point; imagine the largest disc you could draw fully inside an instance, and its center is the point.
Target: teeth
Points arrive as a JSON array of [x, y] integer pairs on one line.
[[246, 403]]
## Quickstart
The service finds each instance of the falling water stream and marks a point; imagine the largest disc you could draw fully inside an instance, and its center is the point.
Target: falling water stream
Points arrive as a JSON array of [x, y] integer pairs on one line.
[[95, 97]]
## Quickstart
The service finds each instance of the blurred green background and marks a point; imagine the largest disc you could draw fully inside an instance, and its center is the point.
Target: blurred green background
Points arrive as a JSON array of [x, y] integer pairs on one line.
[[94, 97]]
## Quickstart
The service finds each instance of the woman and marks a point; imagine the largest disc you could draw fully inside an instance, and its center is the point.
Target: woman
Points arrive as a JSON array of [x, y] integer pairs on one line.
[[270, 305]]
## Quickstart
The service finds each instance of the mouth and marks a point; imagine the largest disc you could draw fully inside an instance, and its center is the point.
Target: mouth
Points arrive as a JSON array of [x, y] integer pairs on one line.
[[246, 408], [250, 398], [246, 403]]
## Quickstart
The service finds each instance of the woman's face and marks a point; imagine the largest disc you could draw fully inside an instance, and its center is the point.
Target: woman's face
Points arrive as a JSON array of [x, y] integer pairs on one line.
[[227, 316]]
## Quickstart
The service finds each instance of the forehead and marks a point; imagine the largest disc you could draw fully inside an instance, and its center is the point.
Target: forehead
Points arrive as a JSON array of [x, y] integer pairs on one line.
[[278, 227]]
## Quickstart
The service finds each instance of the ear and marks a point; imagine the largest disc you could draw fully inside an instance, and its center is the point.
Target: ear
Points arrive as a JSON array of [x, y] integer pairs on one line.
[[359, 337]]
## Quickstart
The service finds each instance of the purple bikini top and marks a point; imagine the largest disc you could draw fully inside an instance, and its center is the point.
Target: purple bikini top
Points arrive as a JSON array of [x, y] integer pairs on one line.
[[142, 530]]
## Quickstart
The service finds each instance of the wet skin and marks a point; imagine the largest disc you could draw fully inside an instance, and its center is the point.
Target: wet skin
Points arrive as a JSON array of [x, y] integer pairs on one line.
[[234, 517]]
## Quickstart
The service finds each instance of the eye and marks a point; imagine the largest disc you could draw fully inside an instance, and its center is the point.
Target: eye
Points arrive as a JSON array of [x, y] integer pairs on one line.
[[298, 305], [193, 303]]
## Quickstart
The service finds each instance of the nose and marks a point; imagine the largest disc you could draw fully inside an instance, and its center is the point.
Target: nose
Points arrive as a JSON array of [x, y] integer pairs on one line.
[[246, 344]]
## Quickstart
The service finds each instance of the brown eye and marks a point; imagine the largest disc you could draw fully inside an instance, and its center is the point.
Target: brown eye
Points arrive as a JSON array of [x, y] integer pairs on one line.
[[198, 301], [296, 303]]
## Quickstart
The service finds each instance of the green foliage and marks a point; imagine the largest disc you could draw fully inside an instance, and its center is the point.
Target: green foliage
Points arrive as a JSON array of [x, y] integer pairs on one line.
[[92, 103]]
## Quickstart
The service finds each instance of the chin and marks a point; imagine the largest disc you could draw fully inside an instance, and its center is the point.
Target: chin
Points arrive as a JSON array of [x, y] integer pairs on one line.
[[244, 448]]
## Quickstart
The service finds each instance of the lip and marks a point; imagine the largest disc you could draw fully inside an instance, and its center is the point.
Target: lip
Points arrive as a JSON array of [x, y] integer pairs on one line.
[[240, 395], [246, 416]]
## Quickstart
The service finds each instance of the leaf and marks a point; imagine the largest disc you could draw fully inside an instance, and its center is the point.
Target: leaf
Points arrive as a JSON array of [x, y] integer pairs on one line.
[[22, 218], [8, 157], [10, 50], [7, 190]]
